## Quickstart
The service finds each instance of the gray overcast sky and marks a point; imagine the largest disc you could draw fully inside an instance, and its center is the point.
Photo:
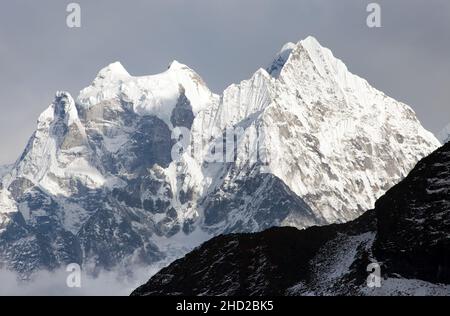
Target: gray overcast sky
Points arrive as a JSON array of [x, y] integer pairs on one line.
[[225, 41]]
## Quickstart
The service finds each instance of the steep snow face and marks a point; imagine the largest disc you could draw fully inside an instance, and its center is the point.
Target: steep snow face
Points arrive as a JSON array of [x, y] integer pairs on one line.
[[96, 184], [352, 137], [57, 151], [311, 144], [327, 134], [148, 95]]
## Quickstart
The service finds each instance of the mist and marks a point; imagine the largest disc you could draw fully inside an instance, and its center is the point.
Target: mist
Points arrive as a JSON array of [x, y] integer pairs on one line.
[[54, 283]]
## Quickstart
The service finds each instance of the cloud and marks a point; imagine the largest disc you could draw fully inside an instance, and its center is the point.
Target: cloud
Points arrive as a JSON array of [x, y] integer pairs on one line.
[[45, 283]]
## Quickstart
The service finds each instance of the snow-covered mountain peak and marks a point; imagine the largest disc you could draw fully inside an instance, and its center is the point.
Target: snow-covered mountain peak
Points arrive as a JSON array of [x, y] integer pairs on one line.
[[310, 57], [147, 95], [280, 59], [65, 109], [59, 142], [288, 47], [318, 100], [244, 101], [311, 43], [175, 65], [308, 49], [112, 72], [59, 117]]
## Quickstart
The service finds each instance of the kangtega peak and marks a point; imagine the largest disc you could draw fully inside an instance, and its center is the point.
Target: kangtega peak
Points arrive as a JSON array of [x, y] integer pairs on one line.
[[98, 184]]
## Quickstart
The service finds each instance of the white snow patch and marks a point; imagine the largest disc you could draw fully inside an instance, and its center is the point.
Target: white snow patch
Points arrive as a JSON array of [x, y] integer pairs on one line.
[[407, 287]]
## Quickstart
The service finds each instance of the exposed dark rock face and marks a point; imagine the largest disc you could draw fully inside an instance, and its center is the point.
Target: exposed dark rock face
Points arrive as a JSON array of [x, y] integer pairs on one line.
[[266, 263], [182, 115], [272, 204], [151, 144], [46, 247], [414, 222], [99, 240], [407, 234]]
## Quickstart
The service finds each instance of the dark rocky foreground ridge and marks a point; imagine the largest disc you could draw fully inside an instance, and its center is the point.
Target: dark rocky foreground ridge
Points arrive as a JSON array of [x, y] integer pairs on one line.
[[408, 234]]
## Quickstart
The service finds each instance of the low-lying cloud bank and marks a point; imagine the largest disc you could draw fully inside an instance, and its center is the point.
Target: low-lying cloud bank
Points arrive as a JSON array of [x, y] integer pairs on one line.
[[45, 283]]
